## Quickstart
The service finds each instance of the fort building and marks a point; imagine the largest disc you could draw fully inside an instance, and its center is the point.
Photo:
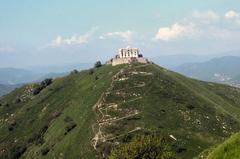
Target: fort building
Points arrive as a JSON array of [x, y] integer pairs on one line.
[[127, 56]]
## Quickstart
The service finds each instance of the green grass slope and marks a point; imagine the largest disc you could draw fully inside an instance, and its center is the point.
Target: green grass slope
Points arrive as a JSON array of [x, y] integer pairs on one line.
[[85, 114], [229, 149]]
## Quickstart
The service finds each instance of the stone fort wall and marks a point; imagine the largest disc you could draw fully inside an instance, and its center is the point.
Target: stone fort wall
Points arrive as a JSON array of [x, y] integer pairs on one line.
[[118, 61]]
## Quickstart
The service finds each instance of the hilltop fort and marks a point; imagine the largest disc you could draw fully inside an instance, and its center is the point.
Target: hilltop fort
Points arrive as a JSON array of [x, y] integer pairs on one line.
[[126, 56]]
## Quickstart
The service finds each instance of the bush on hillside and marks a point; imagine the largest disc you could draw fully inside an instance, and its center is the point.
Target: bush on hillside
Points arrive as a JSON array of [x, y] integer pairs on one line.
[[17, 100], [12, 125], [70, 124], [91, 71], [46, 82], [98, 64], [45, 151], [6, 105], [37, 138], [143, 146], [74, 72], [42, 85], [18, 150]]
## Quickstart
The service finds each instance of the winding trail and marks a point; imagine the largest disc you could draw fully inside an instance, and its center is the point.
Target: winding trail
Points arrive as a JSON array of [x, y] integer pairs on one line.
[[101, 109]]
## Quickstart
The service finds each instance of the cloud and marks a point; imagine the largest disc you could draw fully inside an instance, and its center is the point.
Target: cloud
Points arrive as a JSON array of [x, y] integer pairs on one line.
[[231, 15], [175, 31], [73, 40], [126, 36], [206, 16], [203, 25]]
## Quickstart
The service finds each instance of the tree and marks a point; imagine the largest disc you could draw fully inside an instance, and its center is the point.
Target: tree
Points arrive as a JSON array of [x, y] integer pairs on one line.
[[42, 85], [98, 64], [46, 82], [143, 146], [74, 72]]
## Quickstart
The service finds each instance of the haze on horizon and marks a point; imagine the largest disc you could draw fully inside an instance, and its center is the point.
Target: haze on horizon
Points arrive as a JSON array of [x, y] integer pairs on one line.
[[38, 33]]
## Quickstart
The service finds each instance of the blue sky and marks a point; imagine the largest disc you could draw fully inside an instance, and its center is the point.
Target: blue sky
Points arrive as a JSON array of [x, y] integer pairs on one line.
[[54, 32]]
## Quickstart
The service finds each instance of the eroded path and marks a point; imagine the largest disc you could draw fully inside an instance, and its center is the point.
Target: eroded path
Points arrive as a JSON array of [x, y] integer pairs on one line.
[[116, 106]]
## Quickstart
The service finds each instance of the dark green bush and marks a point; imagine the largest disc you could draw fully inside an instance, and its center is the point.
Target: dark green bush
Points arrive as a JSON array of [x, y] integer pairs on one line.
[[143, 147], [98, 64], [45, 151], [91, 71], [18, 150], [74, 72], [42, 85], [17, 100], [46, 82], [70, 124]]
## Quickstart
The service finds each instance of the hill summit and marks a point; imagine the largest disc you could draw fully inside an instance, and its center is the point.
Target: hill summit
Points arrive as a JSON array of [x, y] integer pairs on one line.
[[86, 114], [127, 56]]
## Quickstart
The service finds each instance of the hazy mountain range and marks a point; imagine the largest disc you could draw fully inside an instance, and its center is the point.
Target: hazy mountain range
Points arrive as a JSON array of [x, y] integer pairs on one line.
[[223, 69]]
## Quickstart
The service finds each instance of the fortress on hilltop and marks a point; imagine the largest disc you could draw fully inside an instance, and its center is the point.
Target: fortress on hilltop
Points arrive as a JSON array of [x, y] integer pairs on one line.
[[127, 56]]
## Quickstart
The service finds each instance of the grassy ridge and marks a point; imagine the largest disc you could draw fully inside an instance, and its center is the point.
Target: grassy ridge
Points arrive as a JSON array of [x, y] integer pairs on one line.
[[229, 149], [60, 121], [72, 96]]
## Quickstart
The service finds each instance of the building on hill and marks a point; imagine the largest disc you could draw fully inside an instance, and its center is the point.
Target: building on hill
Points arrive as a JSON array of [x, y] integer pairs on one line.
[[127, 56]]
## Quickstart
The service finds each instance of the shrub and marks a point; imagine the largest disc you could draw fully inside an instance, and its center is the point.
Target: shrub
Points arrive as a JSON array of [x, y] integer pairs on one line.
[[69, 127], [18, 151], [143, 146], [6, 105], [91, 71], [42, 85], [74, 72], [12, 125], [98, 64], [44, 151], [37, 90], [46, 82], [18, 100], [37, 138]]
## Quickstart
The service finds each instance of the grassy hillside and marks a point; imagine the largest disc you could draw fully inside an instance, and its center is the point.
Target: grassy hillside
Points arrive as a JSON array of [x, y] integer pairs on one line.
[[230, 149], [86, 114]]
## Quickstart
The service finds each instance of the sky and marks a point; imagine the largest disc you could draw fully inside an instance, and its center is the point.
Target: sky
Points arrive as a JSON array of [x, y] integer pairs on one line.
[[53, 32]]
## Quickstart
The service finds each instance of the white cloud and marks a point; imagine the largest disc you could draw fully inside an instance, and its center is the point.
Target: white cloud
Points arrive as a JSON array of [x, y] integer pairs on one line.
[[206, 16], [203, 25], [126, 36], [231, 15], [175, 31], [73, 40]]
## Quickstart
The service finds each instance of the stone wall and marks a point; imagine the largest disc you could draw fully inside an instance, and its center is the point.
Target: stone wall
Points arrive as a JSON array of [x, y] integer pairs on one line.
[[118, 61]]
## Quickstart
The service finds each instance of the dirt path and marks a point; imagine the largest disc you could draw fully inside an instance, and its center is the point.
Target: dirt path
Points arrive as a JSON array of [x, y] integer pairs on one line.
[[101, 109]]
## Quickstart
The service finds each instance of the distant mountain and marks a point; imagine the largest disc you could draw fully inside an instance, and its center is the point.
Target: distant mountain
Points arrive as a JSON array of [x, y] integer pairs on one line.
[[4, 89], [60, 68], [13, 76], [16, 76], [87, 114], [223, 69], [171, 61]]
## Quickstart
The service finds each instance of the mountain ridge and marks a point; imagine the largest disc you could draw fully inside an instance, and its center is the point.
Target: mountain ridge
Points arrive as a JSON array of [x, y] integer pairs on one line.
[[221, 69], [60, 120]]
